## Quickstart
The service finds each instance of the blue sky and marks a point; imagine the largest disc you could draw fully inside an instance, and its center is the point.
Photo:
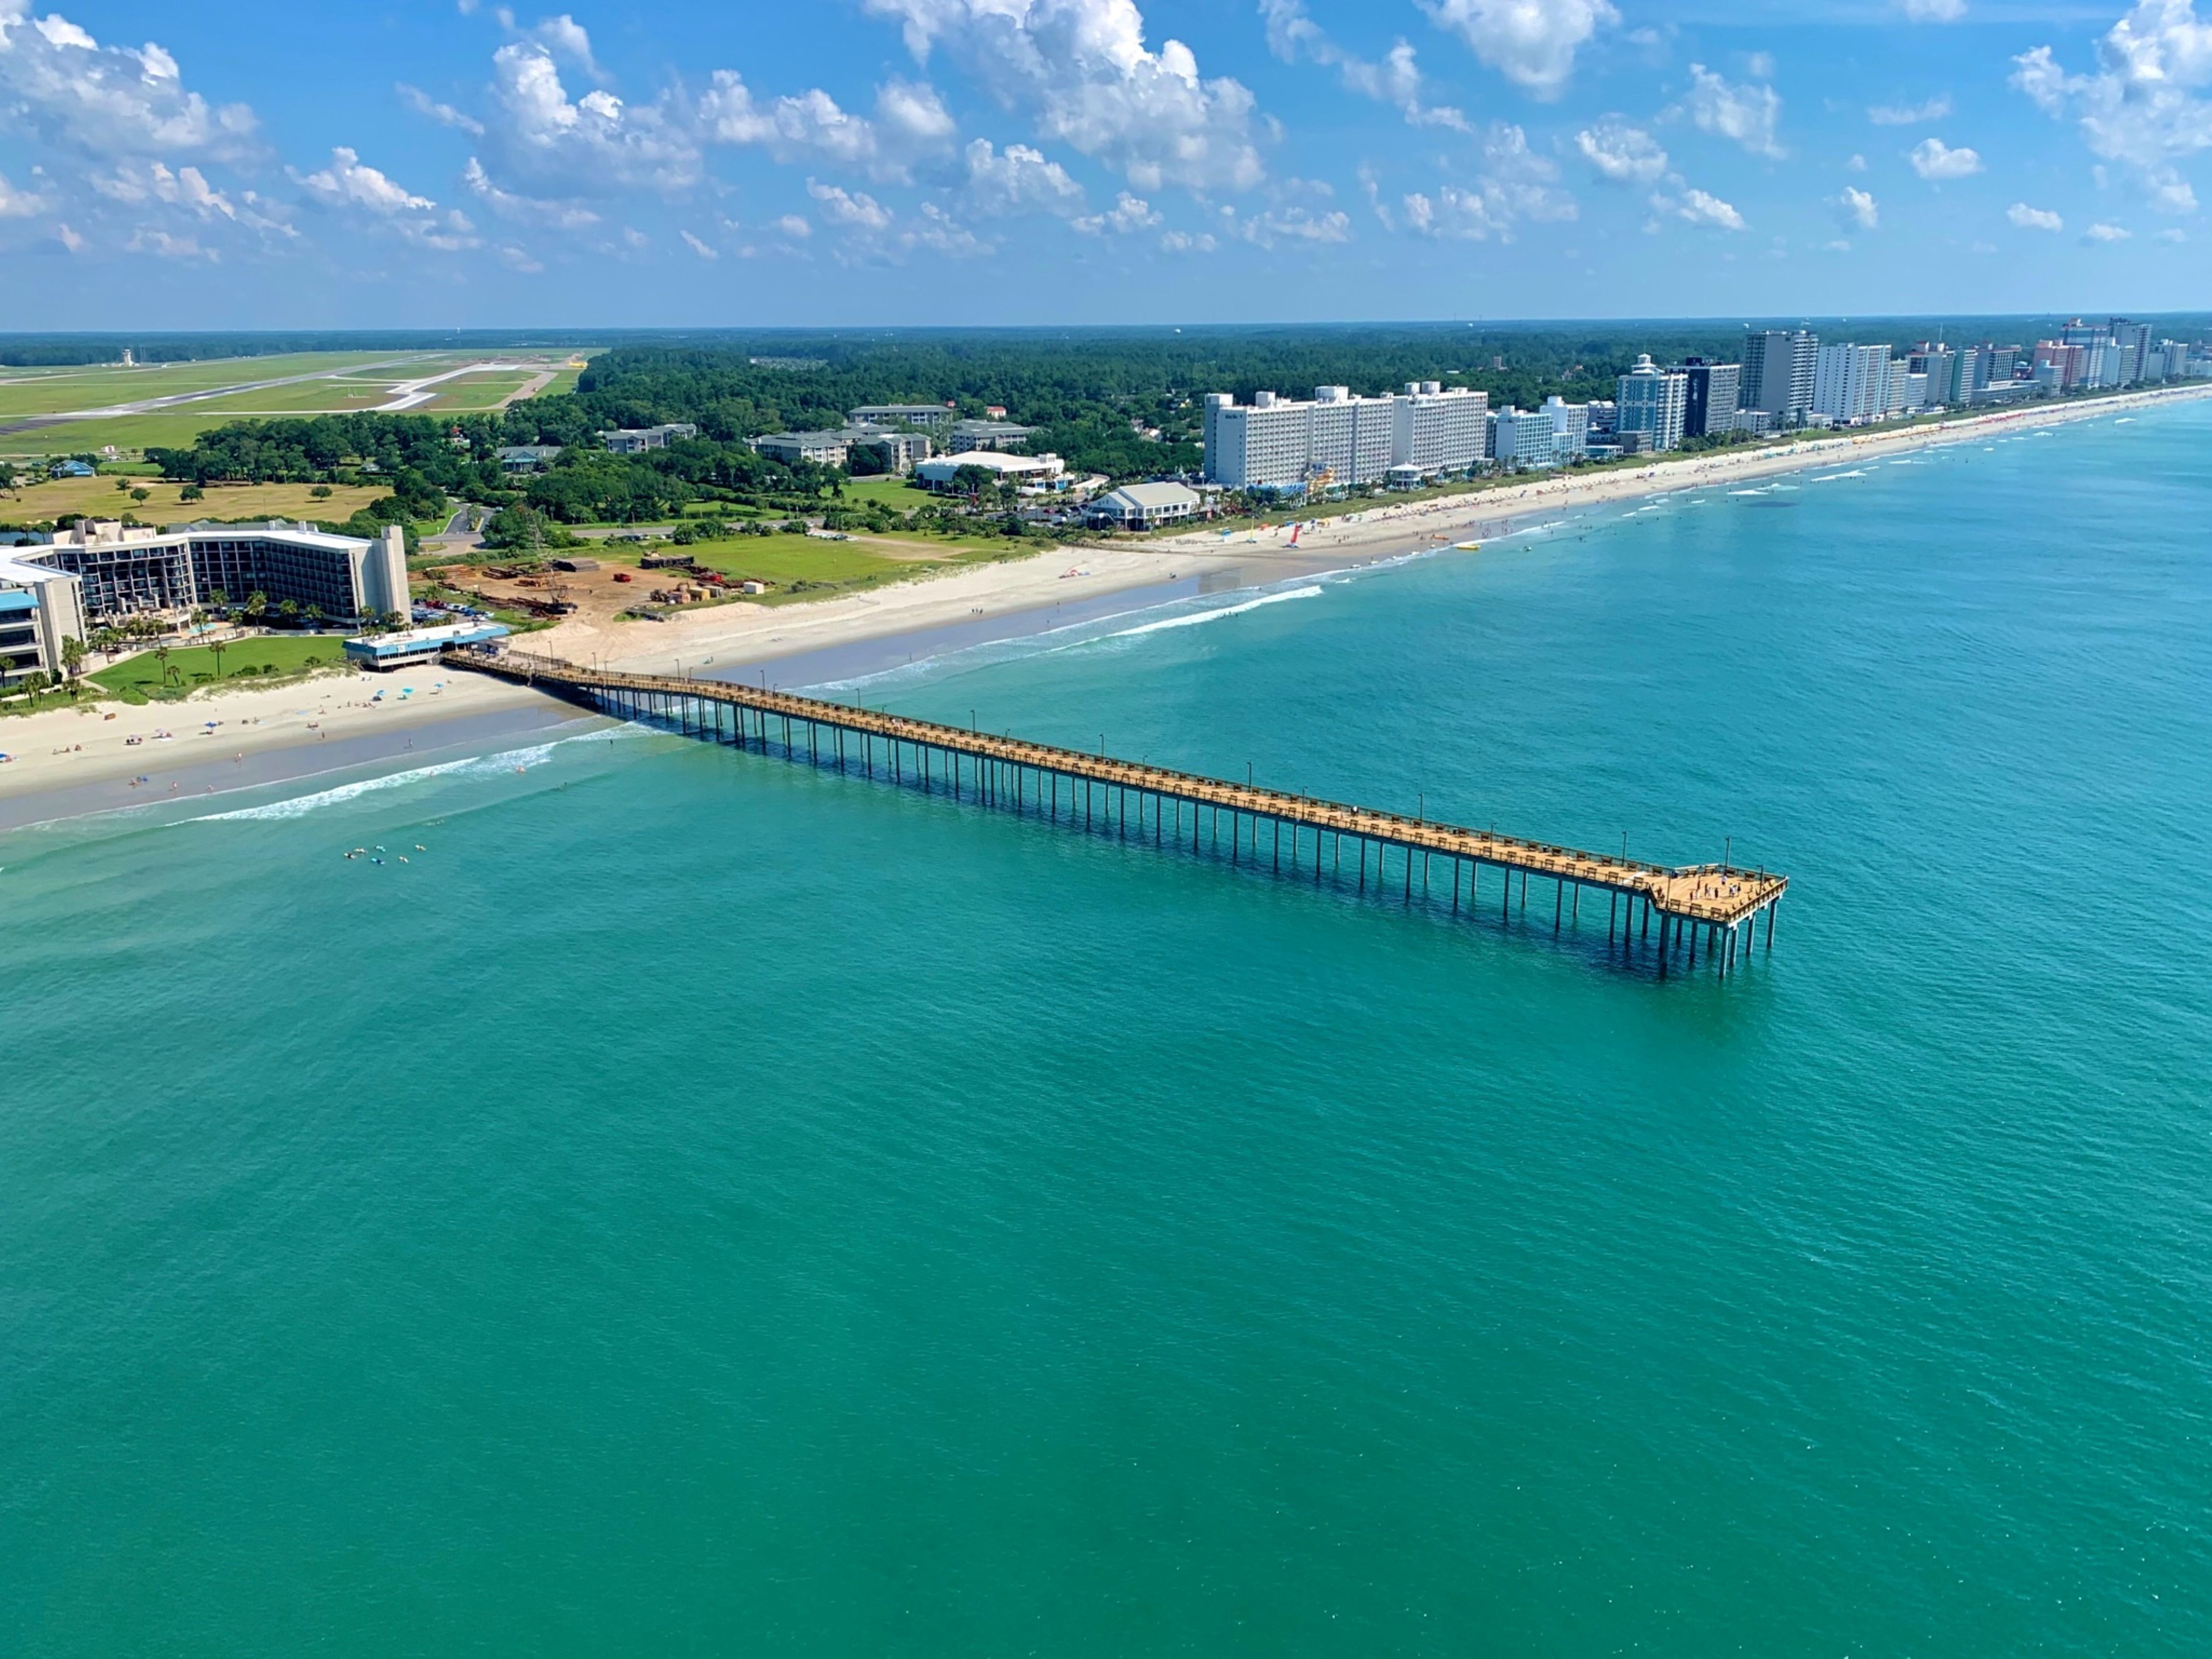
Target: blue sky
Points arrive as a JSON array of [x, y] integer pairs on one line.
[[910, 162]]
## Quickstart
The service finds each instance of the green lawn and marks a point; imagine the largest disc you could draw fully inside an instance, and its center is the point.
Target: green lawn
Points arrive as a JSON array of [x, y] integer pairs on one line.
[[274, 656], [342, 388], [96, 387], [805, 566], [901, 493]]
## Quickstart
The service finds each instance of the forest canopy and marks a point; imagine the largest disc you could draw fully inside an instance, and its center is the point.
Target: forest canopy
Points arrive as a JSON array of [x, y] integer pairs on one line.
[[1125, 403]]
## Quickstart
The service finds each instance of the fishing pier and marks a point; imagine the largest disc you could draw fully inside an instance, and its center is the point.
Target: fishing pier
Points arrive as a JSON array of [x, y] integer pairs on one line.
[[1675, 916]]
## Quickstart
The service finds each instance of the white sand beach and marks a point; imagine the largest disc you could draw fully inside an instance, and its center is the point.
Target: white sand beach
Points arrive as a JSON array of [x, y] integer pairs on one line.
[[60, 749]]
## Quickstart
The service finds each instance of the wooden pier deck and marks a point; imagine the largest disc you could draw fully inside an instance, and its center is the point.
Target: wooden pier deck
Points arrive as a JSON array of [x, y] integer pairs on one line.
[[1715, 906]]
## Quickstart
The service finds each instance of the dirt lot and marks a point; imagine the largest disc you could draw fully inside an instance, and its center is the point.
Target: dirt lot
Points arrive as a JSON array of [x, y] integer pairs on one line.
[[599, 595]]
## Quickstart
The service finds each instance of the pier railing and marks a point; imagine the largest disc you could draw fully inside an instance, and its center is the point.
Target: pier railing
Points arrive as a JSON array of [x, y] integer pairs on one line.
[[1718, 902]]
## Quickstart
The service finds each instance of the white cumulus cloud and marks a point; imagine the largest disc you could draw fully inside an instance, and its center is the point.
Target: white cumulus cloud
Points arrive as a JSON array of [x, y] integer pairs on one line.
[[20, 204], [1934, 160], [2103, 232], [134, 183], [939, 232], [2033, 218], [1516, 185], [1082, 73], [1288, 224], [350, 185], [910, 124], [1396, 81], [164, 246], [349, 181], [1019, 179], [853, 209], [528, 209], [1130, 214], [1907, 115], [1859, 207], [1934, 11], [1622, 152], [1532, 43], [1750, 115], [444, 114], [62, 87], [592, 146], [2142, 105], [1697, 207]]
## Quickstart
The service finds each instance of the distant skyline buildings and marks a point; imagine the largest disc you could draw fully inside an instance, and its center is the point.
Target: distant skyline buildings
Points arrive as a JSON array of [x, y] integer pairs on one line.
[[1332, 441], [908, 162]]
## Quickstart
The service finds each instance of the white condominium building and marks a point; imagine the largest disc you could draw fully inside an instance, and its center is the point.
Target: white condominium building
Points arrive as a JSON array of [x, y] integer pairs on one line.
[[1570, 428], [1851, 382], [1437, 430], [1267, 444], [1279, 443], [1778, 373], [1522, 438], [103, 571], [1350, 440], [1652, 405]]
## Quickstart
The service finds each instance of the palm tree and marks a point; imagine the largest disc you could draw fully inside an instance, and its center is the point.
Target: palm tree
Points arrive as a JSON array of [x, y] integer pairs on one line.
[[257, 604], [315, 617], [72, 655], [162, 656], [289, 611], [218, 647]]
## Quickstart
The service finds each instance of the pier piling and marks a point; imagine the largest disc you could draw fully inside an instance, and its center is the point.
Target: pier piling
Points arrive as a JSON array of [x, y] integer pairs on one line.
[[1722, 902]]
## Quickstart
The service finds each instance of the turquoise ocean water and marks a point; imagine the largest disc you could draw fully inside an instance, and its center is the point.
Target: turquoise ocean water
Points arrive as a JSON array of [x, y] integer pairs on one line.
[[701, 1204]]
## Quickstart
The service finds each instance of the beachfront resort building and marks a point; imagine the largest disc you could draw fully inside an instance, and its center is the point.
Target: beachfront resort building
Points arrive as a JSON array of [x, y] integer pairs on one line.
[[1021, 471], [821, 448], [417, 648], [1651, 406], [1276, 443], [1709, 408], [989, 434], [936, 419], [893, 451], [1144, 506], [40, 607], [1851, 383], [637, 441], [1777, 370], [1571, 428], [118, 571], [1521, 438]]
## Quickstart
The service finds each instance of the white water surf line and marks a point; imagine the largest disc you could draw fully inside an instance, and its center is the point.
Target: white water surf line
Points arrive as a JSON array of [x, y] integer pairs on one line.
[[510, 760], [1218, 614]]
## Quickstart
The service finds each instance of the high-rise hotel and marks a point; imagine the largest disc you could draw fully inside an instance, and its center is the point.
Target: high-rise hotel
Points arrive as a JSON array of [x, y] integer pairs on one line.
[[1335, 438]]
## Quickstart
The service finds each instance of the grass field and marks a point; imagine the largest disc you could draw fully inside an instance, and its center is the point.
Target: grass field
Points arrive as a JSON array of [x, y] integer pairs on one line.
[[476, 394], [337, 395], [60, 498], [143, 678], [902, 494], [25, 391], [342, 383], [789, 561]]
